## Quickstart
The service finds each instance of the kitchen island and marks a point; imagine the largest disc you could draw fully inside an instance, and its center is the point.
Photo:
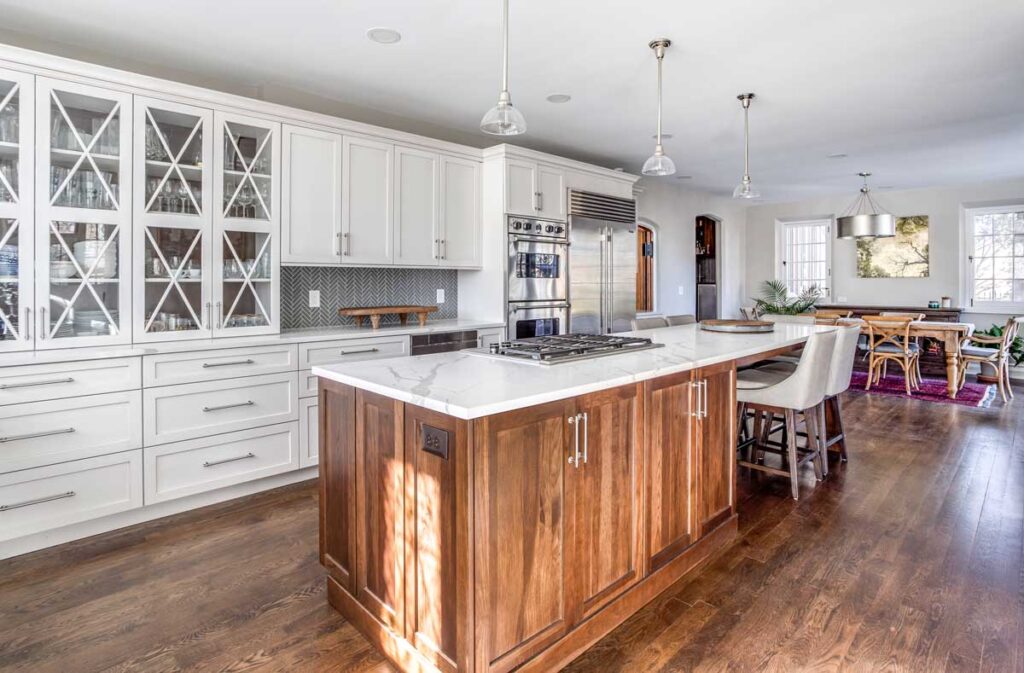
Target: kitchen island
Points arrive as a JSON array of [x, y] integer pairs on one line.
[[486, 515]]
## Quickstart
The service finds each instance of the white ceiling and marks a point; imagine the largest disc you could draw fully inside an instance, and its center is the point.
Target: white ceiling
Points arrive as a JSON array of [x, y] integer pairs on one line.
[[921, 92]]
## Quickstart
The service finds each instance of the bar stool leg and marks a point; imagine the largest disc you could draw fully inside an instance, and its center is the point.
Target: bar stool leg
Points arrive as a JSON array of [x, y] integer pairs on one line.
[[822, 438], [813, 440], [794, 479]]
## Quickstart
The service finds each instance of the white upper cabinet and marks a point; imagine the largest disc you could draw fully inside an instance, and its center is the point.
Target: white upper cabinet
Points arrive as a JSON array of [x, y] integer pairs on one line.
[[367, 193], [418, 238], [460, 214], [534, 190], [83, 215], [173, 221], [16, 211], [310, 196]]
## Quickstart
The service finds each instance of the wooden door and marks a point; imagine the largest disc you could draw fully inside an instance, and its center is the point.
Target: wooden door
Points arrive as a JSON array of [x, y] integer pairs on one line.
[[460, 213], [310, 196], [669, 460], [521, 188], [716, 446], [644, 269], [524, 532], [380, 508], [338, 481], [366, 202], [417, 234], [608, 496]]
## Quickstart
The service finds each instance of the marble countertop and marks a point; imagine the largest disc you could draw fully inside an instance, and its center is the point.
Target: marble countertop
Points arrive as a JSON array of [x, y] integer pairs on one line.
[[468, 386], [285, 337]]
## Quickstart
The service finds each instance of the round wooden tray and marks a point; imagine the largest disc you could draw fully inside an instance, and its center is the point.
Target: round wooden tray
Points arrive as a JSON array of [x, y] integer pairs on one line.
[[737, 326]]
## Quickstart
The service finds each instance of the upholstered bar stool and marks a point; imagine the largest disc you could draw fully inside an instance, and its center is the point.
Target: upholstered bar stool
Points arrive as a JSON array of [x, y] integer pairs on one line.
[[788, 394], [649, 323], [674, 320]]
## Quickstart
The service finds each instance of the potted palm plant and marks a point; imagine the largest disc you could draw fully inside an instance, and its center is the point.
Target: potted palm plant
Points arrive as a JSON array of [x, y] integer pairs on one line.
[[775, 298]]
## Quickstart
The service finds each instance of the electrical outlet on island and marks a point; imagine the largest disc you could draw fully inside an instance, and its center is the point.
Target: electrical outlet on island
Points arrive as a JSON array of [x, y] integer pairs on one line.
[[314, 298], [440, 296]]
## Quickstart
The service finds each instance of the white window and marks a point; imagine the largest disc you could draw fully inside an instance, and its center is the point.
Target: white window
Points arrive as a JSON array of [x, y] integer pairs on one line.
[[995, 258], [805, 254]]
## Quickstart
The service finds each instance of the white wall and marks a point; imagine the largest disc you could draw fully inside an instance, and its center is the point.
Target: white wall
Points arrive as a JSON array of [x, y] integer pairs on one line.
[[672, 210], [943, 206]]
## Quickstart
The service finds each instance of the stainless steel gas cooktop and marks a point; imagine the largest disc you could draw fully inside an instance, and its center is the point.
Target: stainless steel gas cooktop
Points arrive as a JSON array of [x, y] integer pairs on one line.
[[555, 349]]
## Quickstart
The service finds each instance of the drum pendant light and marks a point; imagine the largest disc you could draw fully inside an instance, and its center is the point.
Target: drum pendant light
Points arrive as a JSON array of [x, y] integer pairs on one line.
[[865, 218], [503, 119], [658, 163], [744, 190]]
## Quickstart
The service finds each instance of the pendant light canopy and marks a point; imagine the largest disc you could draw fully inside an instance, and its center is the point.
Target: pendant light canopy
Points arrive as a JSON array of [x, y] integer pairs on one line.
[[503, 119], [865, 218], [658, 163], [744, 190]]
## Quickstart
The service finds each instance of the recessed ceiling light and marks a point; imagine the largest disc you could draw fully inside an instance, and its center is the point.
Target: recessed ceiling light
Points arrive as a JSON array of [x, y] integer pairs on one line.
[[664, 136], [559, 98], [837, 155], [384, 35], [684, 177]]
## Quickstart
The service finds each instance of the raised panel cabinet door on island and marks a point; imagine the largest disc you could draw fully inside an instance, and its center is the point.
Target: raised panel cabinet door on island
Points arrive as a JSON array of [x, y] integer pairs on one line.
[[460, 213], [367, 192], [310, 196], [337, 449], [716, 445], [417, 234]]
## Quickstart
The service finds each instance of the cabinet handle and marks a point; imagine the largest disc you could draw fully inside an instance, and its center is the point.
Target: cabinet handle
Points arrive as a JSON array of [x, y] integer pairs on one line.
[[362, 350], [247, 361], [586, 431], [42, 323], [220, 314], [444, 249], [574, 459], [696, 403], [209, 314], [346, 244], [437, 248], [247, 403], [38, 501], [34, 435], [704, 398], [337, 243], [28, 324], [48, 382], [540, 201], [211, 463]]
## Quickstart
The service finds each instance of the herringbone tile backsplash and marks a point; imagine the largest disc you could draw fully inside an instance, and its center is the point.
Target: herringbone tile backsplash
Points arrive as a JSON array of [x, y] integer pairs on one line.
[[341, 288]]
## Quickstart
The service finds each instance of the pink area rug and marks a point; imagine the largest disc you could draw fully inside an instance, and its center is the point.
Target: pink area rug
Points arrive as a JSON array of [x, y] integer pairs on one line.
[[932, 390]]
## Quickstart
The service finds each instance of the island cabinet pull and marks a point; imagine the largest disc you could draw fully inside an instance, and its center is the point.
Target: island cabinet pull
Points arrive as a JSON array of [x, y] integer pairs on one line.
[[696, 403], [211, 463], [704, 398], [38, 501], [247, 361], [586, 431], [30, 384], [34, 435], [574, 459], [363, 350], [247, 403]]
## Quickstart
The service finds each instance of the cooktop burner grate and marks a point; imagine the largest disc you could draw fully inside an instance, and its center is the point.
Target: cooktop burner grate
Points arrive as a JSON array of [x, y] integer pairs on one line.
[[569, 347]]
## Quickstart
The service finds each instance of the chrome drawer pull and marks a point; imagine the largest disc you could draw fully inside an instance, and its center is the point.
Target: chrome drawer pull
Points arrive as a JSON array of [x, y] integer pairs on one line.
[[38, 501], [365, 350], [247, 403], [33, 435], [247, 361], [211, 463], [12, 386]]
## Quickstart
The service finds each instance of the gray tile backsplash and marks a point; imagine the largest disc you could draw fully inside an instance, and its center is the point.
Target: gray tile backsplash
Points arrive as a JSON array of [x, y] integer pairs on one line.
[[347, 287]]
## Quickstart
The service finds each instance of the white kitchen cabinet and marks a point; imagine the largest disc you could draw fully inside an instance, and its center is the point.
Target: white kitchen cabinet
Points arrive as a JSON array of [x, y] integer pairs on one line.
[[83, 215], [551, 193], [418, 236], [63, 380], [173, 221], [535, 190], [246, 249], [309, 431], [17, 243], [460, 213], [311, 175], [367, 193]]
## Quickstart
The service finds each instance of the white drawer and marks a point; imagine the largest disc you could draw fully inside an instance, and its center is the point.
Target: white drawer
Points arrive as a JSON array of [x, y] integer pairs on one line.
[[32, 383], [43, 433], [351, 350], [36, 500], [174, 368], [309, 431], [175, 413], [198, 465], [308, 383]]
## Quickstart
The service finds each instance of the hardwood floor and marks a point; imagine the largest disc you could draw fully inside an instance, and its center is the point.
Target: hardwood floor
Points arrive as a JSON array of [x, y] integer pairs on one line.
[[908, 558]]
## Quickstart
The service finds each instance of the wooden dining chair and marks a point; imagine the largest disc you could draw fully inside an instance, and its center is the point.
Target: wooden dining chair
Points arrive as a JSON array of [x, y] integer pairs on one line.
[[991, 351], [915, 317], [889, 341], [829, 314]]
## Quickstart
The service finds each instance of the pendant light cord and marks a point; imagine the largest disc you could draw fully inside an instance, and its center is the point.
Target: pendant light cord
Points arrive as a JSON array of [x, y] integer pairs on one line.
[[504, 63], [660, 54], [746, 142]]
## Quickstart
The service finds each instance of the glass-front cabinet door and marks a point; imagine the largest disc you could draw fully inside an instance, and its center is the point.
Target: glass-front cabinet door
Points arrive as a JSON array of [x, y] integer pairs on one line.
[[246, 226], [83, 215], [16, 209], [173, 223]]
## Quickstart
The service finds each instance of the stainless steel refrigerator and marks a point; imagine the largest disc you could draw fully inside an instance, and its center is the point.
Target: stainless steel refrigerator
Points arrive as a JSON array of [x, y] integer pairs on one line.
[[602, 263]]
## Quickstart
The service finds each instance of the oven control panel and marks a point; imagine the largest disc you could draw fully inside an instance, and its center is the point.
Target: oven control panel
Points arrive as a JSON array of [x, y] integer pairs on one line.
[[524, 226]]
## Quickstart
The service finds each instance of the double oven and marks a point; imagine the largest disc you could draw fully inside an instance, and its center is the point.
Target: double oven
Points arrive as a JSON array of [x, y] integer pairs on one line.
[[537, 286]]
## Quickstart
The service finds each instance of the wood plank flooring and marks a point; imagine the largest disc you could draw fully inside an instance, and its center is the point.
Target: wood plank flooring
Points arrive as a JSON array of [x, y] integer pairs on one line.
[[908, 558]]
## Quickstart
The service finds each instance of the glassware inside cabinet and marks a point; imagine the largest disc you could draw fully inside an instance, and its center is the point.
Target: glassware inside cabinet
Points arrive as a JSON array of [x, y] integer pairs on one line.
[[174, 162], [173, 280], [9, 141], [84, 279], [10, 296], [247, 279], [84, 151], [248, 179]]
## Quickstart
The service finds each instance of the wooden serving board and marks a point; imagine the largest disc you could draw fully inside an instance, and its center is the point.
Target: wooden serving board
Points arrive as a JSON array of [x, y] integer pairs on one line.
[[374, 313], [737, 326]]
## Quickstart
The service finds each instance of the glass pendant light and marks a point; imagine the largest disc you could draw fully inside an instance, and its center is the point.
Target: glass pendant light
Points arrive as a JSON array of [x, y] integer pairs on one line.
[[503, 119], [658, 163], [856, 223], [744, 190]]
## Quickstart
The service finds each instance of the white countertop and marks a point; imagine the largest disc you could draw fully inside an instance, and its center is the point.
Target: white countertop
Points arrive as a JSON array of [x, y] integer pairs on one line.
[[285, 337], [469, 386]]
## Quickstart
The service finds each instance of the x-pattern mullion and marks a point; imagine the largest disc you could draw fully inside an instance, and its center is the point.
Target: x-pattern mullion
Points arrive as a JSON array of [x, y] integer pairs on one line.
[[175, 160], [247, 278], [86, 277], [173, 277], [86, 149], [3, 178], [247, 173]]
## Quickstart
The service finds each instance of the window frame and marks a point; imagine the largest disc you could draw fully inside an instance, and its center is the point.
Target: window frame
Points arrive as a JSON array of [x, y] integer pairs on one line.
[[967, 259], [781, 262]]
